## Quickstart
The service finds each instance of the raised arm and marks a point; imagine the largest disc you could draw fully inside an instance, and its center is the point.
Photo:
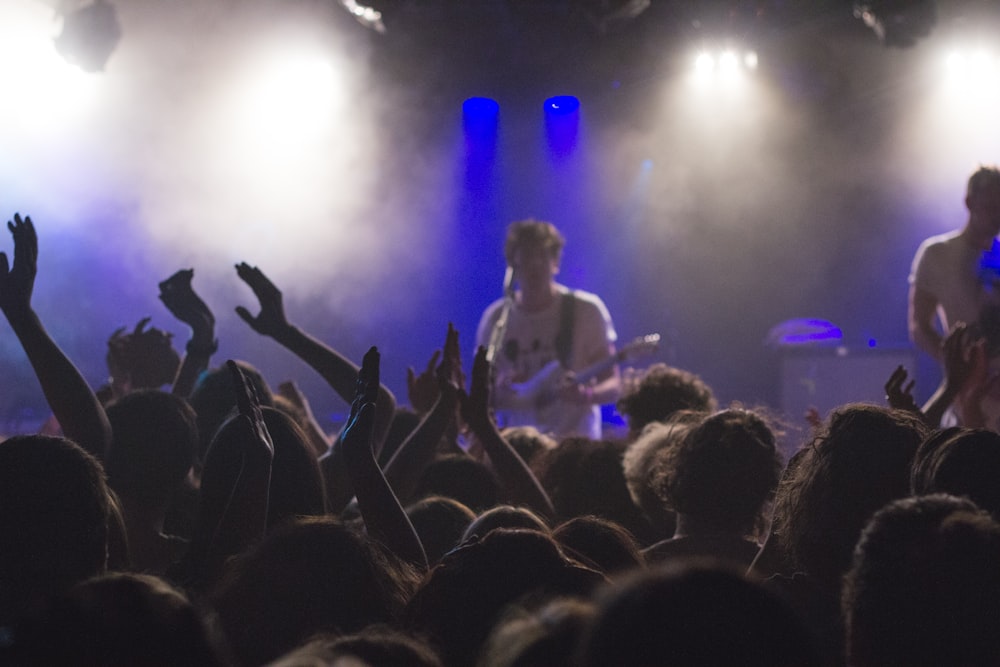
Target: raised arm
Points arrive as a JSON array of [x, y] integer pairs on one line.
[[384, 517], [338, 371], [404, 468], [235, 484], [179, 297], [515, 477], [71, 399]]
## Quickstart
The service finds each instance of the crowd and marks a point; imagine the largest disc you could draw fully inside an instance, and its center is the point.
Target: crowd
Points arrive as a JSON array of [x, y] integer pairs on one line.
[[190, 515]]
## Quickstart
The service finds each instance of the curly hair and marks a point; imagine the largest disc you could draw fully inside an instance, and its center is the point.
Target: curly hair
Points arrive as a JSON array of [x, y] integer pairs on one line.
[[661, 391], [724, 471], [145, 357], [858, 461]]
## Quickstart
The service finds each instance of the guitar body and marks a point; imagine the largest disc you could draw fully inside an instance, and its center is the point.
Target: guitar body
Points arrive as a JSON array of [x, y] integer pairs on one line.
[[534, 402]]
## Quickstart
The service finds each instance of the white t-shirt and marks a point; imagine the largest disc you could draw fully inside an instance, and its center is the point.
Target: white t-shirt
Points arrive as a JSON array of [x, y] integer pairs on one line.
[[529, 347]]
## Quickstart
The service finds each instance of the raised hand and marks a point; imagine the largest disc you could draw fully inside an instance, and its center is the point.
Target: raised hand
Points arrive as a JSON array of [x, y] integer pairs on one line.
[[476, 403], [422, 390], [250, 417], [271, 320], [179, 297], [18, 281], [357, 439], [899, 392]]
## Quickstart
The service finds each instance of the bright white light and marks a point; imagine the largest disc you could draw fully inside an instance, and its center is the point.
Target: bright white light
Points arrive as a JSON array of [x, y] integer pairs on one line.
[[729, 64], [972, 72], [750, 60], [42, 91], [704, 63]]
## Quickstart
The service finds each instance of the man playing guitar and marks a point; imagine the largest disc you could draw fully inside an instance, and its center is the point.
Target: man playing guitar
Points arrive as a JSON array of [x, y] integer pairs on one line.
[[546, 332]]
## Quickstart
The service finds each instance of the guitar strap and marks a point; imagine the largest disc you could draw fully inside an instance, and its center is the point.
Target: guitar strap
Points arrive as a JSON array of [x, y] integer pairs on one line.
[[564, 339]]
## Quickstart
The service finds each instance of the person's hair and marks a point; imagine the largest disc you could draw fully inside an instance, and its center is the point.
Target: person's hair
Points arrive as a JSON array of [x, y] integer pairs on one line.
[[584, 476], [440, 523], [543, 637], [462, 597], [924, 588], [961, 462], [533, 233], [643, 465], [461, 477], [155, 438], [695, 613], [296, 479], [120, 620], [659, 392], [145, 356], [504, 516], [600, 543], [724, 471], [54, 514], [985, 177], [856, 462], [375, 646], [310, 575], [528, 442]]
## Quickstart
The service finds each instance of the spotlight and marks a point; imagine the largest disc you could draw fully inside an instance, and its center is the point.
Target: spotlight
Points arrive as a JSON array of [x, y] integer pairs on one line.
[[898, 23], [562, 104], [480, 108], [89, 36]]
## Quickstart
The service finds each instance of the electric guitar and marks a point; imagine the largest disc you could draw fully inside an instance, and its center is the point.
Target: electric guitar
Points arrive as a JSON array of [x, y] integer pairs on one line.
[[542, 389]]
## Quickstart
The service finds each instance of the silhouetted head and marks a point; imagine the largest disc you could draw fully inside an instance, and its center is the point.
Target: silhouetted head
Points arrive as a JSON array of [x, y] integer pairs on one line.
[[460, 477], [440, 523], [538, 637], [659, 392], [960, 462], [857, 462], [723, 472], [154, 445], [141, 359], [214, 398], [694, 614], [121, 620], [924, 588], [504, 516], [600, 543], [313, 575], [54, 513]]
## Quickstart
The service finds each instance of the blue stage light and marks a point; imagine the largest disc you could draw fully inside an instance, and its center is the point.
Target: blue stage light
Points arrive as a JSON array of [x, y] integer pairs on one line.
[[562, 104], [480, 108]]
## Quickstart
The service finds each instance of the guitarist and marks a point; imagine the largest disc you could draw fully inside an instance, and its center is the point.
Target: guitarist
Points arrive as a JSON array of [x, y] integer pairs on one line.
[[551, 331]]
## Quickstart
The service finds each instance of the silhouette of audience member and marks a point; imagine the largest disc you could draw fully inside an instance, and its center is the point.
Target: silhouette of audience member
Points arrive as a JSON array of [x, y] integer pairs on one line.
[[296, 481], [461, 599], [504, 516], [312, 575], [54, 513], [440, 523], [655, 394], [154, 441], [696, 614], [960, 462], [718, 480], [214, 401], [121, 620], [462, 478], [528, 442], [643, 468], [140, 359], [924, 588], [856, 462], [543, 637], [585, 477], [601, 544], [375, 646]]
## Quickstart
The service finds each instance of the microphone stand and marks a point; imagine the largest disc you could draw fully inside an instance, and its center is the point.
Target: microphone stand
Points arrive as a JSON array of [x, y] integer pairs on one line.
[[499, 331]]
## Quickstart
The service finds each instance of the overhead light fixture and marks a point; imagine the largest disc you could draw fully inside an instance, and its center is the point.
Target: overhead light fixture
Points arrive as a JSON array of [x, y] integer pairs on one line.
[[898, 23], [367, 16], [89, 35]]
